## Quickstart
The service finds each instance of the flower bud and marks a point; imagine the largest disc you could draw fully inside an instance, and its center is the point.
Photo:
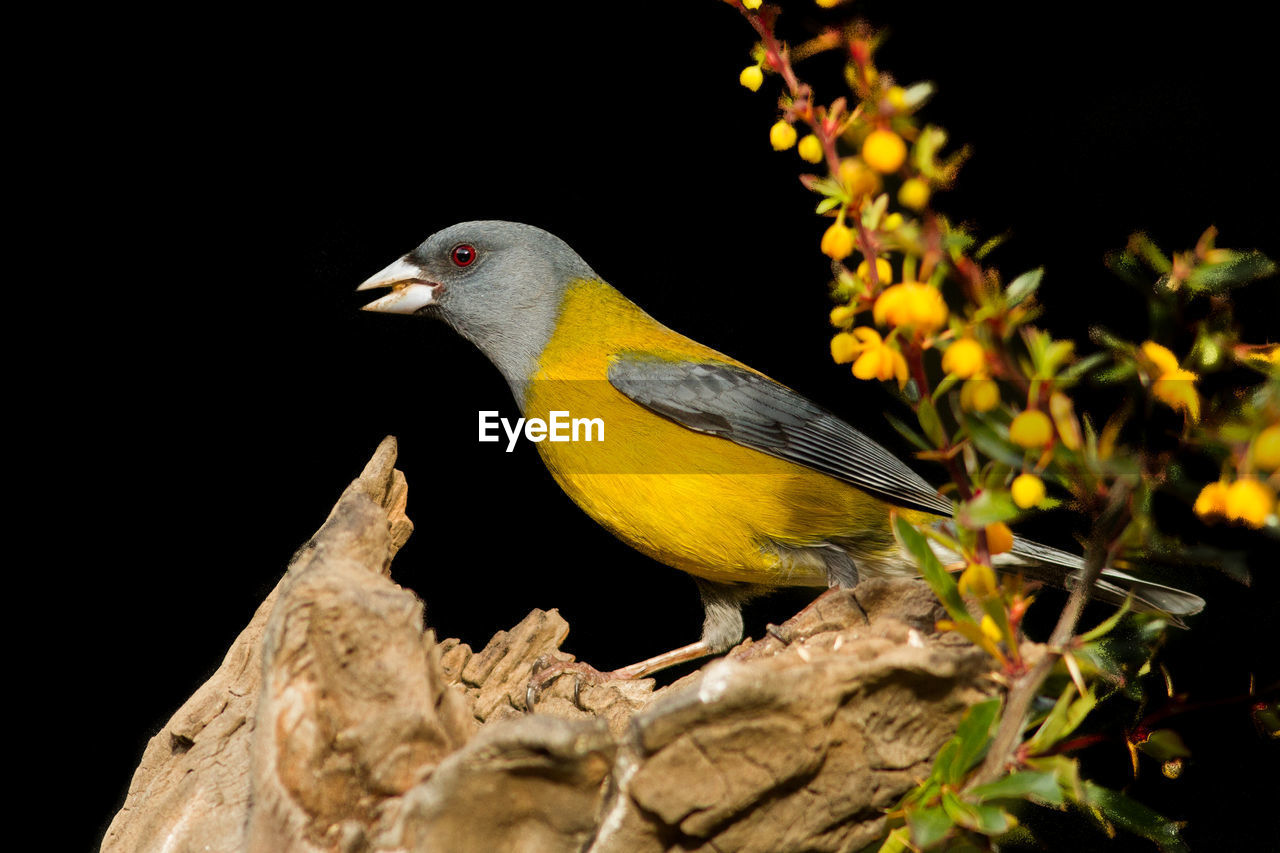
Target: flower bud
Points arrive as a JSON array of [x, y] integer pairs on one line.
[[810, 149], [884, 150], [964, 358], [1031, 429], [782, 135], [979, 395], [858, 179], [1027, 490], [884, 272], [999, 538], [914, 193], [837, 242], [842, 314], [844, 348], [751, 77]]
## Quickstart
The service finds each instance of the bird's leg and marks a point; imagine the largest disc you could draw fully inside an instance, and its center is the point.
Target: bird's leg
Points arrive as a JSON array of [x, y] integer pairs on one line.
[[842, 573], [721, 629]]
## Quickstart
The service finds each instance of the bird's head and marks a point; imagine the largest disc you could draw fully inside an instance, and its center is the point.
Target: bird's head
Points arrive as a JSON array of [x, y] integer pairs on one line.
[[500, 284]]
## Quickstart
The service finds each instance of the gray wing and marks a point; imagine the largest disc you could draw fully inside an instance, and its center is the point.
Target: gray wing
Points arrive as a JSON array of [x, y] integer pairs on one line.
[[754, 411]]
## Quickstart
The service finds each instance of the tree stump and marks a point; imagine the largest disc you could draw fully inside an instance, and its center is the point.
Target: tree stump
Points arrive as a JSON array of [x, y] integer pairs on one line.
[[338, 722]]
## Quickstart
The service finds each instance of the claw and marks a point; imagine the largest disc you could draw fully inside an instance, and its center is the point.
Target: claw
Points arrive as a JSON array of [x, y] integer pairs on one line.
[[547, 669]]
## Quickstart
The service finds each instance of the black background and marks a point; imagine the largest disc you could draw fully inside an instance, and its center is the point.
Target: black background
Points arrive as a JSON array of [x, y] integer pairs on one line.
[[215, 191]]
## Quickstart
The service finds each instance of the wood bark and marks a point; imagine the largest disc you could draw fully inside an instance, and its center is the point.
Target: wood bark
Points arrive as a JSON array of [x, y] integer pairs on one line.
[[338, 722]]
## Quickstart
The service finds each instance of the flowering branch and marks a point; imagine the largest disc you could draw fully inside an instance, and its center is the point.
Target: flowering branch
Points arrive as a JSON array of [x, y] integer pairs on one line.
[[996, 412]]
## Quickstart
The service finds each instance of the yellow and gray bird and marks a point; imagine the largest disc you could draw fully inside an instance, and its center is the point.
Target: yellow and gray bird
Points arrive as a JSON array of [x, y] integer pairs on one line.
[[705, 465]]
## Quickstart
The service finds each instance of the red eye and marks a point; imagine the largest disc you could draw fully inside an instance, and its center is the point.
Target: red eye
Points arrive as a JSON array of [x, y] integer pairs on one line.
[[464, 255]]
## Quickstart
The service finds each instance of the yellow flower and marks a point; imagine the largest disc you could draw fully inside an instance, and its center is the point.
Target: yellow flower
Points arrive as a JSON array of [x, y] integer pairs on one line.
[[1160, 356], [828, 4], [1028, 490], [751, 77], [837, 241], [1030, 429], [884, 272], [977, 579], [810, 149], [1266, 448], [964, 358], [844, 348], [782, 135], [1250, 501], [911, 304], [1173, 386], [1212, 500], [914, 193], [1177, 389], [893, 221], [897, 97], [884, 150], [842, 314], [979, 395], [876, 359], [857, 178], [751, 4], [999, 538], [990, 628]]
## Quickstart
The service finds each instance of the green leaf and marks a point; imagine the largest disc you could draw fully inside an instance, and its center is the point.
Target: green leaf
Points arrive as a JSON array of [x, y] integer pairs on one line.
[[1164, 744], [1077, 712], [971, 737], [826, 204], [1050, 731], [992, 443], [1039, 784], [944, 761], [1110, 622], [1065, 770], [947, 383], [1125, 265], [1023, 286], [931, 423], [1080, 367], [1135, 817], [928, 826], [960, 812], [990, 245], [898, 841], [908, 433], [1239, 268], [993, 820], [939, 579], [990, 506], [1140, 244]]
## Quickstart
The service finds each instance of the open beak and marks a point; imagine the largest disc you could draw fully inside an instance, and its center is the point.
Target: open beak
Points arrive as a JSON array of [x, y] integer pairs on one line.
[[410, 292]]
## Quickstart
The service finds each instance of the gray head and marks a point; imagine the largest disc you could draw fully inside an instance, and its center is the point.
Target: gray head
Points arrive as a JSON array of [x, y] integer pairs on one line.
[[499, 284]]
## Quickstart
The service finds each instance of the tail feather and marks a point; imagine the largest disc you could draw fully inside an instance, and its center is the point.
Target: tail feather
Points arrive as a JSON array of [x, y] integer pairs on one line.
[[1063, 569]]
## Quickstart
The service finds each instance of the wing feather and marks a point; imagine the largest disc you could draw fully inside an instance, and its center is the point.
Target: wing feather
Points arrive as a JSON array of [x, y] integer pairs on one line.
[[754, 411]]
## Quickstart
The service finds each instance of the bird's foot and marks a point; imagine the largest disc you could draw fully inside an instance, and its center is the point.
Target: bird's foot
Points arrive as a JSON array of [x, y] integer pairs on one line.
[[547, 669]]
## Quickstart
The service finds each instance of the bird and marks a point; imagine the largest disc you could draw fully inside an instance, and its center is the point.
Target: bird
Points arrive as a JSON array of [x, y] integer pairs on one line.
[[706, 464]]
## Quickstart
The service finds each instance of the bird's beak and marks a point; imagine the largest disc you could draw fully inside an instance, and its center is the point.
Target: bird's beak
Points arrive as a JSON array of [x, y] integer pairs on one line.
[[410, 291]]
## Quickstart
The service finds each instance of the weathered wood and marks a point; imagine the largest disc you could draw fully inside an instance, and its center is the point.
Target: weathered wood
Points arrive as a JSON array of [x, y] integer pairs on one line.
[[338, 722]]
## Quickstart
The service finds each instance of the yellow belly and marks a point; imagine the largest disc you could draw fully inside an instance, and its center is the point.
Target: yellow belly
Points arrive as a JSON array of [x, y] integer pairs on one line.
[[699, 503]]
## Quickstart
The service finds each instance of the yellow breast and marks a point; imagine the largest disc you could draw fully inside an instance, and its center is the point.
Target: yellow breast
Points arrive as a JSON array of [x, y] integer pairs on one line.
[[699, 503]]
